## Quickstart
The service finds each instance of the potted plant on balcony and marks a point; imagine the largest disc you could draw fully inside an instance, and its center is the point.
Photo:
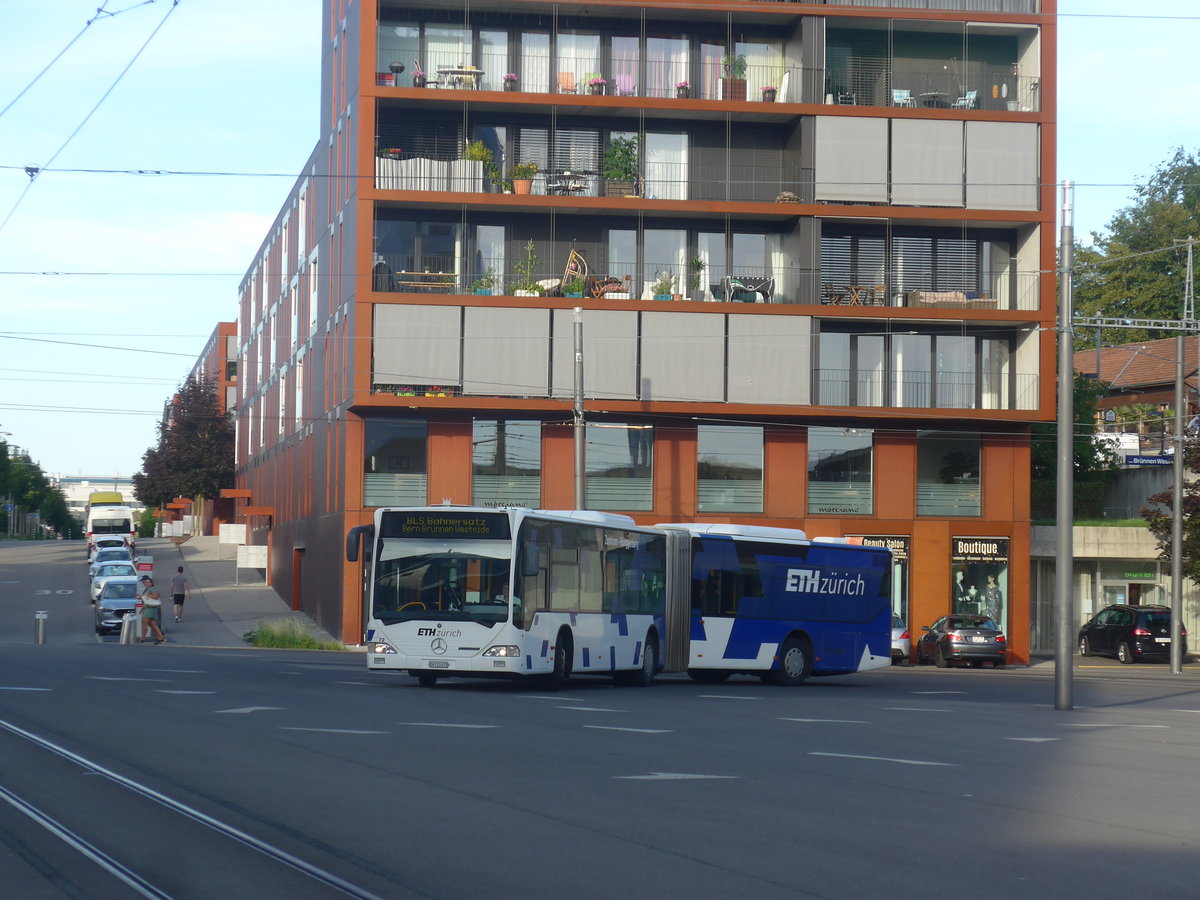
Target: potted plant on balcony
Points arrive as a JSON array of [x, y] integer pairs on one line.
[[573, 286], [768, 93], [664, 287], [620, 167], [682, 89], [596, 85], [526, 286], [484, 284], [733, 80], [478, 151], [418, 76], [510, 81], [522, 177], [696, 267]]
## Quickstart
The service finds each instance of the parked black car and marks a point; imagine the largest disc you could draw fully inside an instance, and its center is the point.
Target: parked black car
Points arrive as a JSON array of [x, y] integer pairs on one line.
[[1130, 633], [968, 639]]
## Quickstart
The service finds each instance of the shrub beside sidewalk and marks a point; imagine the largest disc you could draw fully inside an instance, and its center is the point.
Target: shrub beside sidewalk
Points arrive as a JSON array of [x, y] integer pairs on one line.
[[288, 634]]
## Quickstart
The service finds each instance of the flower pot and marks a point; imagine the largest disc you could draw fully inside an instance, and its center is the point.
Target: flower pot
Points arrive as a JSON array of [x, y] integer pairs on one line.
[[614, 188], [681, 93], [677, 297], [481, 292], [595, 89], [510, 85], [733, 88], [768, 96], [573, 294], [662, 296], [419, 81], [522, 185]]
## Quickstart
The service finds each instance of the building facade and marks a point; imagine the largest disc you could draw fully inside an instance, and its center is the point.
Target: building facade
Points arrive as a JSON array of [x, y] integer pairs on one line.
[[812, 247]]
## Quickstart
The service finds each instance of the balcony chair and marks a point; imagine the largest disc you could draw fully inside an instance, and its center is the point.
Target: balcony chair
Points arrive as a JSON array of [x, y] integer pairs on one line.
[[903, 97], [969, 100], [763, 285], [600, 286], [566, 83], [625, 86]]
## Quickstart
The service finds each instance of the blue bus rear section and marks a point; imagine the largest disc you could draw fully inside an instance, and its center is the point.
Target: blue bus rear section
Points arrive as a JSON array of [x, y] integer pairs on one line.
[[750, 593]]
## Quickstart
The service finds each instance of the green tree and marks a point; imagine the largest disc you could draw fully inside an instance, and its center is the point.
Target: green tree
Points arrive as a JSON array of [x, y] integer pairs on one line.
[[1112, 279], [194, 456], [1160, 508], [1094, 465]]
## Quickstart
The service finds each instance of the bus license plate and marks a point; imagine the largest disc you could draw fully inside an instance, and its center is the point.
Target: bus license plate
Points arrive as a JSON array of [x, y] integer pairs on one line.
[[439, 664]]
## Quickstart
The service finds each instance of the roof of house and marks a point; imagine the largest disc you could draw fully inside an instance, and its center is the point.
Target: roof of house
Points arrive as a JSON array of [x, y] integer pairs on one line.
[[1143, 364]]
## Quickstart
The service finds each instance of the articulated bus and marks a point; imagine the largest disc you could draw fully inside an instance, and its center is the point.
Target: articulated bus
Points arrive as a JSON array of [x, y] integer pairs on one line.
[[479, 592]]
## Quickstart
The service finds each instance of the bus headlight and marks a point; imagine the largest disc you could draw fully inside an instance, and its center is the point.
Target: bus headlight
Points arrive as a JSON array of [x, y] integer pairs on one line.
[[503, 650], [380, 647]]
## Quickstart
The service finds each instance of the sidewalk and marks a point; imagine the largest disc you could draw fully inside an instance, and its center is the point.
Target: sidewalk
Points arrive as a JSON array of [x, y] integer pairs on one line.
[[219, 611]]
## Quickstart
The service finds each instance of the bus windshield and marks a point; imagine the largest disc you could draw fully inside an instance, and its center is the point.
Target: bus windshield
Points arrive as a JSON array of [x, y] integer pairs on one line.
[[456, 581]]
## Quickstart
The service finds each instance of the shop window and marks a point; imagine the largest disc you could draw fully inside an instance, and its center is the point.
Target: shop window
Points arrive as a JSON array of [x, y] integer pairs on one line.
[[948, 482], [729, 468], [395, 463], [840, 469]]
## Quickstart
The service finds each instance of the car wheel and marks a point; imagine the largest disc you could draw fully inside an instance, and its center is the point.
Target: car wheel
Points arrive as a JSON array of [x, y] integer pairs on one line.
[[939, 658], [426, 679], [793, 663], [1123, 653], [998, 665], [905, 660], [1085, 646]]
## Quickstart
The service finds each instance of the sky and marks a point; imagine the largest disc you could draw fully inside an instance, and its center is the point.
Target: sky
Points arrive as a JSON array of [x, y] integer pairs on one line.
[[111, 283]]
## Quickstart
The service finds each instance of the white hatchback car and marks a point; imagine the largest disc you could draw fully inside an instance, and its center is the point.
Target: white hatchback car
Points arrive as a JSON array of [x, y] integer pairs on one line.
[[108, 555]]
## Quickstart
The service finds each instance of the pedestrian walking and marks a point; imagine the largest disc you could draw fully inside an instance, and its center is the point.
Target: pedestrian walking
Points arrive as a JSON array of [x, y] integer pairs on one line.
[[151, 613], [179, 587]]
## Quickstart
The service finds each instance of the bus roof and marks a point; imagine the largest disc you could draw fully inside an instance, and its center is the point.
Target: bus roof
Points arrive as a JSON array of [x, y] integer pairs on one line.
[[747, 531], [105, 498]]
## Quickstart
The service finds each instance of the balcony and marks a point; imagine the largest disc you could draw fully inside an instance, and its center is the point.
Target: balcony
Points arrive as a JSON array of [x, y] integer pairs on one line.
[[867, 81], [926, 390]]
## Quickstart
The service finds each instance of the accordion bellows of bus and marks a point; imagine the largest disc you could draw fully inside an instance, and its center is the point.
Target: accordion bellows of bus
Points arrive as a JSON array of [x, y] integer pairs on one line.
[[515, 592]]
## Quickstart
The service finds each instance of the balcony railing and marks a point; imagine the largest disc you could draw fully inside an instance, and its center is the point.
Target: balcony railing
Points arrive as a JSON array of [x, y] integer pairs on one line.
[[923, 390], [430, 274], [872, 81]]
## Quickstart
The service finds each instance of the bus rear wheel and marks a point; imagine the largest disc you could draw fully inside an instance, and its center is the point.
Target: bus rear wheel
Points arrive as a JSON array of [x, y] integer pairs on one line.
[[644, 676], [794, 663]]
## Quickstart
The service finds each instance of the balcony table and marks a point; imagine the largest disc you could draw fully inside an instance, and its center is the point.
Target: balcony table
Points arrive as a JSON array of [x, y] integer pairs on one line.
[[935, 99], [425, 282], [458, 75]]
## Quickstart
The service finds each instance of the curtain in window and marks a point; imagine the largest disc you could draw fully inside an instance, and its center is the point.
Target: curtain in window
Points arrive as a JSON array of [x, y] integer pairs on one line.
[[666, 166], [666, 65]]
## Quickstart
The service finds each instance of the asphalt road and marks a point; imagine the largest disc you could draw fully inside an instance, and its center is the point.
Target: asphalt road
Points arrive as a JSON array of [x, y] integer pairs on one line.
[[183, 771]]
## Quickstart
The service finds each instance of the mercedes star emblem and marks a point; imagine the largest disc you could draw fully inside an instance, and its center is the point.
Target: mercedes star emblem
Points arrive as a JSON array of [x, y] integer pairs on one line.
[[438, 645]]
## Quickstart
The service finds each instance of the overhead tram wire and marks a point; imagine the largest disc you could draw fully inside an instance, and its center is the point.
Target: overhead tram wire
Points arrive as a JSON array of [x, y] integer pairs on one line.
[[35, 171]]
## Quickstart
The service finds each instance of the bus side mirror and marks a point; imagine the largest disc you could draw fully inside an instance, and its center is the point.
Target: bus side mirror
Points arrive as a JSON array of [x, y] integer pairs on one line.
[[354, 540]]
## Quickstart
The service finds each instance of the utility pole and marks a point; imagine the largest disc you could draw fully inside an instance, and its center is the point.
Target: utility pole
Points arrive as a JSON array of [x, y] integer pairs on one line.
[[1064, 571], [580, 426]]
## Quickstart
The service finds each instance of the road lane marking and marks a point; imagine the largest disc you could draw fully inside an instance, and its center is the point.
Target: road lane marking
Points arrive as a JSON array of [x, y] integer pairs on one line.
[[119, 678], [1108, 725], [179, 671], [1032, 740], [446, 725], [333, 730], [362, 683], [673, 776], [726, 697], [903, 762], [165, 691], [828, 721], [635, 730], [552, 697], [248, 709], [916, 708], [24, 689], [592, 709], [939, 692]]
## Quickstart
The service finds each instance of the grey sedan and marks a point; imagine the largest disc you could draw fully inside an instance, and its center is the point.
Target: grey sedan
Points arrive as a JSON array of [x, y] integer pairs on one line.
[[969, 639], [118, 598]]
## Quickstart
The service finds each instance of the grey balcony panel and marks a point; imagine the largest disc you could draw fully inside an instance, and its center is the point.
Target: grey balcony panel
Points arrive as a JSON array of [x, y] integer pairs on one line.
[[506, 352], [769, 359], [851, 159], [1002, 165], [417, 345], [927, 163], [682, 356], [610, 354]]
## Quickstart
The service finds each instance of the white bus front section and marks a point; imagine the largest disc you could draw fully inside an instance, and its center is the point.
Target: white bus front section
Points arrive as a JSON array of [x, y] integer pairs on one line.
[[598, 644]]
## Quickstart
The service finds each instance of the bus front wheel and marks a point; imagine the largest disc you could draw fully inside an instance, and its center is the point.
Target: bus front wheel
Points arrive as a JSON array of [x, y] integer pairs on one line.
[[563, 654], [643, 676], [794, 663]]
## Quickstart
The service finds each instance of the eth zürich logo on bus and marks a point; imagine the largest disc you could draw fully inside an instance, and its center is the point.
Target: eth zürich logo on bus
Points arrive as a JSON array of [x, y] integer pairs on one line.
[[437, 645]]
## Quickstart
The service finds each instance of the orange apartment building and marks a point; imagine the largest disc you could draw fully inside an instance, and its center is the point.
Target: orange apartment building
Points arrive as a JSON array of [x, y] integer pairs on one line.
[[815, 248]]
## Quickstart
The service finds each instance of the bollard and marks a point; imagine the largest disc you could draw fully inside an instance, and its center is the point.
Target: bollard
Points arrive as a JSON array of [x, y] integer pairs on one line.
[[128, 628], [39, 626]]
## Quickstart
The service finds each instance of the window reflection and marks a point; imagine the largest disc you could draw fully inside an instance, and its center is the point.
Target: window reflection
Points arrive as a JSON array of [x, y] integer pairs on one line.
[[729, 468], [840, 471]]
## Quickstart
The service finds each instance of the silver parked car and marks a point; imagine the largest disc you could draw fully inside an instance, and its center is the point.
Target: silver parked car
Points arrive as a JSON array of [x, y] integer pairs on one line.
[[901, 642], [105, 571]]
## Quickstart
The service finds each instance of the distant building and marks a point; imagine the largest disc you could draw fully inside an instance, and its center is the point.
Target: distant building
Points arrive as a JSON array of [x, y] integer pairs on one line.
[[77, 488]]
